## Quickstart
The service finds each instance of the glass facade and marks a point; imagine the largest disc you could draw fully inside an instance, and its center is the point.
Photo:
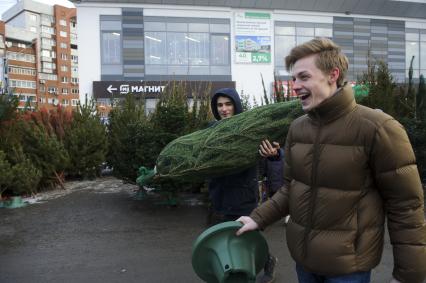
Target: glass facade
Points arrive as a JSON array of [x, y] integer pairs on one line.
[[134, 46], [290, 34], [176, 46], [111, 48], [415, 45]]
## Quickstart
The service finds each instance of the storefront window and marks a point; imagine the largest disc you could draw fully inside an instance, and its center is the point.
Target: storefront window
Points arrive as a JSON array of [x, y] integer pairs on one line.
[[191, 48], [111, 48], [290, 34]]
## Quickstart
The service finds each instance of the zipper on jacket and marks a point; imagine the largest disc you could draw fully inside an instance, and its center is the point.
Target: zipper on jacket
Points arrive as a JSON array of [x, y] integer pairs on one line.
[[314, 190]]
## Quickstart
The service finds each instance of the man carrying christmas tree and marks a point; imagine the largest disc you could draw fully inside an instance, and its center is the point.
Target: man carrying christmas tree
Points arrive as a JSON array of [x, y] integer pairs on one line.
[[347, 168]]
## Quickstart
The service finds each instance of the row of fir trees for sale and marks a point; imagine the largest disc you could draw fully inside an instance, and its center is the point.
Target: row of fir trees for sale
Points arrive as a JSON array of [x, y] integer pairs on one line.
[[41, 149]]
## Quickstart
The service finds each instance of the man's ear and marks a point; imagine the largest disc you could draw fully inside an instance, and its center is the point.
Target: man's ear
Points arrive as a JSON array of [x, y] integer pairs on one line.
[[333, 75]]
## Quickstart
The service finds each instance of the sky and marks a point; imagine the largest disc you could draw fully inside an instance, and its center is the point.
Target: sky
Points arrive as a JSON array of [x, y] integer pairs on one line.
[[6, 4]]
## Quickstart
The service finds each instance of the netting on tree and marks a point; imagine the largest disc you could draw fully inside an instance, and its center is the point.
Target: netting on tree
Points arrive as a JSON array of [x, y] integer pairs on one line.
[[229, 146]]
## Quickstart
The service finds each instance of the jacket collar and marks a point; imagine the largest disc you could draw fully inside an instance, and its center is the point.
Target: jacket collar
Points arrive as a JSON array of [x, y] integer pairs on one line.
[[340, 103]]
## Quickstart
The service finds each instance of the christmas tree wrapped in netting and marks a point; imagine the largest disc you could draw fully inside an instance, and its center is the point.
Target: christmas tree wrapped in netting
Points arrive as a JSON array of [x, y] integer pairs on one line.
[[229, 145]]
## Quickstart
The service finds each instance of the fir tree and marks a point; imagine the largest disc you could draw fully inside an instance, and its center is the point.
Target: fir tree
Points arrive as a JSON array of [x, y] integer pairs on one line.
[[5, 173], [86, 141], [265, 95], [46, 153], [421, 99], [381, 88], [25, 177], [126, 125], [8, 105], [245, 101]]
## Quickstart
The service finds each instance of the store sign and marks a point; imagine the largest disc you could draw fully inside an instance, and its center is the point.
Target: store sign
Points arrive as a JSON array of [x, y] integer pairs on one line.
[[135, 89], [253, 37], [151, 89]]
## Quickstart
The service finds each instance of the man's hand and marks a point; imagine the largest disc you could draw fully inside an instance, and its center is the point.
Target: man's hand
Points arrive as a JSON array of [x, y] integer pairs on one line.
[[249, 225], [266, 149], [394, 281]]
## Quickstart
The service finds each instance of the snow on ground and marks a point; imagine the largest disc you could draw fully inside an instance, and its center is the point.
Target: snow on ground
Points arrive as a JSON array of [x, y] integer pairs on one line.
[[101, 185]]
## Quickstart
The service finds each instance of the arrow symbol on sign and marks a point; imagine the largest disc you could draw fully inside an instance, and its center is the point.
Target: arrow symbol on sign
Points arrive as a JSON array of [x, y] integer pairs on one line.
[[110, 89]]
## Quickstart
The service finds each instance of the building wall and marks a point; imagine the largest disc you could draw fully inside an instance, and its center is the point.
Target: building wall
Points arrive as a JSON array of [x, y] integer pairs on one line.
[[385, 37], [2, 54], [21, 74], [89, 39]]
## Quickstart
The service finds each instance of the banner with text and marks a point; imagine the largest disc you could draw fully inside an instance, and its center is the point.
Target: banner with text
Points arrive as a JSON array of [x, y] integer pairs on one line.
[[253, 37]]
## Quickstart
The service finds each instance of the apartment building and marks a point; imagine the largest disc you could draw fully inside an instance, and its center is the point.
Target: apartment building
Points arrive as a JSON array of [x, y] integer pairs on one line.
[[2, 54], [41, 60]]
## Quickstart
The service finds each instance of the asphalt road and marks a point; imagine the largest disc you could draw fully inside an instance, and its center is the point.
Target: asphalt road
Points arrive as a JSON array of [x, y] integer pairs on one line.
[[98, 232]]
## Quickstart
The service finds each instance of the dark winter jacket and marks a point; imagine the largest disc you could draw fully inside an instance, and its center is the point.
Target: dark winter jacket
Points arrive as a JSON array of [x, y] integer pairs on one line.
[[236, 194], [272, 169], [347, 167]]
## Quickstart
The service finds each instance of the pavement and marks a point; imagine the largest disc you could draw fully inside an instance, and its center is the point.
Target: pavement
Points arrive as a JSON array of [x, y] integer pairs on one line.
[[96, 231]]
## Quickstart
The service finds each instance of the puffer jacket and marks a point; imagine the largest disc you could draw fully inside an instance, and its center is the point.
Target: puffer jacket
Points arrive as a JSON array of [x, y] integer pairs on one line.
[[347, 167]]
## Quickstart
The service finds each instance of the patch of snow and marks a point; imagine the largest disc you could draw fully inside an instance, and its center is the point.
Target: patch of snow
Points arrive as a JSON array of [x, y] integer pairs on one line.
[[101, 185]]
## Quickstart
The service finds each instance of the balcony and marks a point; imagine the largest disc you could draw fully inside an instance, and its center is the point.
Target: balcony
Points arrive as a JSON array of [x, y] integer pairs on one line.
[[46, 59]]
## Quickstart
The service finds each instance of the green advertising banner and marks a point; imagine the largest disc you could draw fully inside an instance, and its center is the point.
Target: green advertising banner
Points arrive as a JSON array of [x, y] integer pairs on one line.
[[253, 38]]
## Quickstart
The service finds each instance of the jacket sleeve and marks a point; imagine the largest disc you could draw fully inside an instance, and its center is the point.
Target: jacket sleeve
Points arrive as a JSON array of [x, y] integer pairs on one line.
[[399, 184], [277, 206]]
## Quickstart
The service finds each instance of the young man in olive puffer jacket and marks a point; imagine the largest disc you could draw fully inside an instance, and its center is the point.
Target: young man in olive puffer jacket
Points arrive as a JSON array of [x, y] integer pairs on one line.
[[347, 168]]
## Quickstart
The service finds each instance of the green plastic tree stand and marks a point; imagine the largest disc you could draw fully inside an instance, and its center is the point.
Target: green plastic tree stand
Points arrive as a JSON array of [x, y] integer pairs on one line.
[[140, 194], [14, 202], [219, 256]]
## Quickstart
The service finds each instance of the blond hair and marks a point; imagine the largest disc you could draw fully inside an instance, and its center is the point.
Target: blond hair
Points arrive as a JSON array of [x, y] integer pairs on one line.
[[329, 56]]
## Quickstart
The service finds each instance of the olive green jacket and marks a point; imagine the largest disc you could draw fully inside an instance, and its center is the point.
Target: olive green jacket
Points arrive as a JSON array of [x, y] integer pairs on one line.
[[347, 167]]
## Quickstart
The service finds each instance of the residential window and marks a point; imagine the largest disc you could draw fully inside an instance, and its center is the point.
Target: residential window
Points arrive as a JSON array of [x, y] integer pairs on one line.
[[74, 102], [47, 65], [33, 17], [23, 84], [21, 71], [45, 53], [50, 77], [64, 79], [53, 90], [64, 56], [63, 22], [20, 57], [63, 33], [46, 29], [74, 90], [74, 58], [64, 68], [64, 45], [48, 42], [64, 91]]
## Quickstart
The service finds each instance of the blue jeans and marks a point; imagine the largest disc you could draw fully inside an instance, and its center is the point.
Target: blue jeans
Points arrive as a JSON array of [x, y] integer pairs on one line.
[[308, 277]]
